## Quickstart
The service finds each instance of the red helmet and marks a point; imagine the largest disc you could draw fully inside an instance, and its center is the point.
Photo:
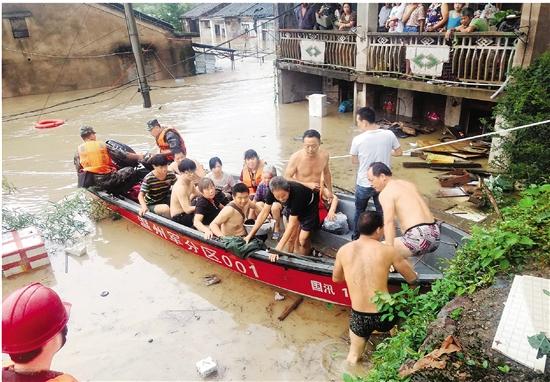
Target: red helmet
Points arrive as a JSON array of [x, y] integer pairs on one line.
[[31, 316]]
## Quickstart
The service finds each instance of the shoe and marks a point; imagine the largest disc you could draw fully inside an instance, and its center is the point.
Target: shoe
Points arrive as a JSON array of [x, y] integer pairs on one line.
[[276, 236], [316, 253]]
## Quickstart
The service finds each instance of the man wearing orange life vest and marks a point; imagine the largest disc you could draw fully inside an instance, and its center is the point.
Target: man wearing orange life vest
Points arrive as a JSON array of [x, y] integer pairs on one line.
[[252, 171], [95, 166], [168, 140]]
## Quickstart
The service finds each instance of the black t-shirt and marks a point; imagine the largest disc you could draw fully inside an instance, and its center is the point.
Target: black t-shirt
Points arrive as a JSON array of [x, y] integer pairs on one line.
[[207, 209], [299, 201]]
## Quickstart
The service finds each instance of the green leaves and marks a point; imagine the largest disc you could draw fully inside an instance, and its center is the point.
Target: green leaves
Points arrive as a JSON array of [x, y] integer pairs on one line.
[[502, 247], [540, 343], [60, 222], [526, 154], [504, 368], [347, 378], [396, 304]]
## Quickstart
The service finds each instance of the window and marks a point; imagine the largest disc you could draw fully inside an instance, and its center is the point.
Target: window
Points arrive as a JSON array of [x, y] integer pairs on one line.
[[19, 27]]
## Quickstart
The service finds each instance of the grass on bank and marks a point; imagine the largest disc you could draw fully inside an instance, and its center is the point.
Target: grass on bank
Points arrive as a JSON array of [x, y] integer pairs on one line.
[[522, 237]]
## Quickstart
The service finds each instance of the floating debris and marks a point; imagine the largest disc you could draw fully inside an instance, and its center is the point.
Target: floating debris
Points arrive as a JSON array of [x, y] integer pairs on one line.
[[211, 280], [279, 297], [206, 366]]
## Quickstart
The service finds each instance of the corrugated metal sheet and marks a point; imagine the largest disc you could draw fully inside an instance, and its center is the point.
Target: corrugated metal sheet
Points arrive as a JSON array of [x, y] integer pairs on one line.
[[260, 11], [200, 10], [205, 63], [233, 10]]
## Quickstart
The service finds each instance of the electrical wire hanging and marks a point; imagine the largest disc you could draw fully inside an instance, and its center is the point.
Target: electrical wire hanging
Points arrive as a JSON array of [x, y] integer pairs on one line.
[[22, 115]]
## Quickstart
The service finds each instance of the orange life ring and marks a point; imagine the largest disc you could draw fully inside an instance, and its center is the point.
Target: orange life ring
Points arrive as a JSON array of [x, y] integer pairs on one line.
[[48, 123]]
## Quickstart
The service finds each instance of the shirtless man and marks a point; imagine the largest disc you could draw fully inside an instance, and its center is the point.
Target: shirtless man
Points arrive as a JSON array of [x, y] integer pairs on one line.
[[183, 192], [310, 165], [230, 221], [401, 199], [364, 265]]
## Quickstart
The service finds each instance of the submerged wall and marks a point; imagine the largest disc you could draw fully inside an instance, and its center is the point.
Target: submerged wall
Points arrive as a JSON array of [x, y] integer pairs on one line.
[[94, 37]]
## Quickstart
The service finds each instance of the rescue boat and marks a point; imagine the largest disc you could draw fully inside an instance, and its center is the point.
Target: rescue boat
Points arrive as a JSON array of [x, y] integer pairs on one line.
[[304, 275]]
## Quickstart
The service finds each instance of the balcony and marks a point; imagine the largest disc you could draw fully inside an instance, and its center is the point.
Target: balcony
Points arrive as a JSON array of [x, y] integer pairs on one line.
[[475, 60], [328, 49]]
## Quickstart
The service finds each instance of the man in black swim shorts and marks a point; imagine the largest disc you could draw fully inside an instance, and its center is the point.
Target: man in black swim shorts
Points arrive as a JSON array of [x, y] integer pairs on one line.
[[364, 266]]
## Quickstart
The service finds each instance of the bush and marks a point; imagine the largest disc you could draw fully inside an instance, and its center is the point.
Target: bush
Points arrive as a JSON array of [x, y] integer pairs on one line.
[[521, 237], [526, 154]]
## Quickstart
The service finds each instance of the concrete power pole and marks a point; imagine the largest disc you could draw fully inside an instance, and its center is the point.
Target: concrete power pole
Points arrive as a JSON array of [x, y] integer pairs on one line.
[[136, 48]]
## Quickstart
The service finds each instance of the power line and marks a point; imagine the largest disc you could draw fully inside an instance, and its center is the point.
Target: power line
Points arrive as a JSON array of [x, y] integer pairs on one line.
[[12, 116]]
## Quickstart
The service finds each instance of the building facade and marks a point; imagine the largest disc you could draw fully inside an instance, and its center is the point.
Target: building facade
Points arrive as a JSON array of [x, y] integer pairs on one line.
[[59, 47], [457, 81]]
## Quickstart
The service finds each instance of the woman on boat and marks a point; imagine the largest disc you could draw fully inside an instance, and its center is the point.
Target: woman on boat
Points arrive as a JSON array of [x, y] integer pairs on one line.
[[251, 174], [208, 206], [222, 181]]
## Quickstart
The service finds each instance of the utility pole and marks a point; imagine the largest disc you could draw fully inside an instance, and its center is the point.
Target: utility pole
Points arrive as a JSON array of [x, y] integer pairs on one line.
[[136, 48]]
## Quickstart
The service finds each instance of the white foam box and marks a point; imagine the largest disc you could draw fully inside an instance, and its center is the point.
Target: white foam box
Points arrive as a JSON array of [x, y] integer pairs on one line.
[[206, 366], [317, 105], [23, 251]]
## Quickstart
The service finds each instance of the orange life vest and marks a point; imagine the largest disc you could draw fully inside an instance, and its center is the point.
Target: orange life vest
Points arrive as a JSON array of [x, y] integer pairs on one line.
[[163, 144], [252, 180], [95, 158]]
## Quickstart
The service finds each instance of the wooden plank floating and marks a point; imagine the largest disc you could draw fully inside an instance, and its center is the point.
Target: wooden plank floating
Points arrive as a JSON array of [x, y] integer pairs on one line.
[[467, 165]]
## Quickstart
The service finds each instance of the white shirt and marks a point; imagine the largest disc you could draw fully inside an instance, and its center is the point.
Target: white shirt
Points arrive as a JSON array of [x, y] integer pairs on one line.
[[397, 11], [383, 15], [372, 146]]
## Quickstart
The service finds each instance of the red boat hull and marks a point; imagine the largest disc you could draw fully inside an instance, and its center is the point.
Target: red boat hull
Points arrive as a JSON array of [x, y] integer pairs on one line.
[[318, 286]]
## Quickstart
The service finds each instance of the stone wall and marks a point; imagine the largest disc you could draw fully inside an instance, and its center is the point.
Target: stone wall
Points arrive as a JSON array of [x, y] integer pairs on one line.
[[95, 37]]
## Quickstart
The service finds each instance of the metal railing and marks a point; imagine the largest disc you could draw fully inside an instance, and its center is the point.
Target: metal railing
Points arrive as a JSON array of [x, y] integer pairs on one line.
[[474, 57], [340, 47]]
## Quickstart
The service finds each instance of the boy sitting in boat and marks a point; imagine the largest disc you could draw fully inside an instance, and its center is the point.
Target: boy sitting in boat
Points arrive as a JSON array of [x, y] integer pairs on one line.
[[364, 266], [183, 193], [208, 206], [154, 194], [261, 194], [230, 221]]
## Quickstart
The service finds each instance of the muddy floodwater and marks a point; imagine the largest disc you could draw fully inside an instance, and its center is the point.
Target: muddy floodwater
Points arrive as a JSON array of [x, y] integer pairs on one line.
[[158, 318]]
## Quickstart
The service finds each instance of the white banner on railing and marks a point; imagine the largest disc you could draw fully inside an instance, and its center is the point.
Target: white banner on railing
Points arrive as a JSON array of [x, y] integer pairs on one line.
[[427, 60], [312, 51]]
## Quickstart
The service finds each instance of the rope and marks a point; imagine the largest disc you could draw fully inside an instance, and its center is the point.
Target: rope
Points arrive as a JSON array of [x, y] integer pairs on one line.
[[10, 117], [478, 136], [164, 66]]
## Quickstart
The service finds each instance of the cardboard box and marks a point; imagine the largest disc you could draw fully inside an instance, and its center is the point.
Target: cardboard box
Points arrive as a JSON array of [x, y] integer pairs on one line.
[[22, 251]]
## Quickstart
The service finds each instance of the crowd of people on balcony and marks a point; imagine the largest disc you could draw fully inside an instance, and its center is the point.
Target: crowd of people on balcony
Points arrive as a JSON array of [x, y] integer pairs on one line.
[[399, 17], [438, 17], [328, 16]]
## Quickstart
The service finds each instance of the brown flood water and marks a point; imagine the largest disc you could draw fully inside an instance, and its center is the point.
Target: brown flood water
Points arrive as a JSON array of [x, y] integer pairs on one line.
[[159, 319]]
